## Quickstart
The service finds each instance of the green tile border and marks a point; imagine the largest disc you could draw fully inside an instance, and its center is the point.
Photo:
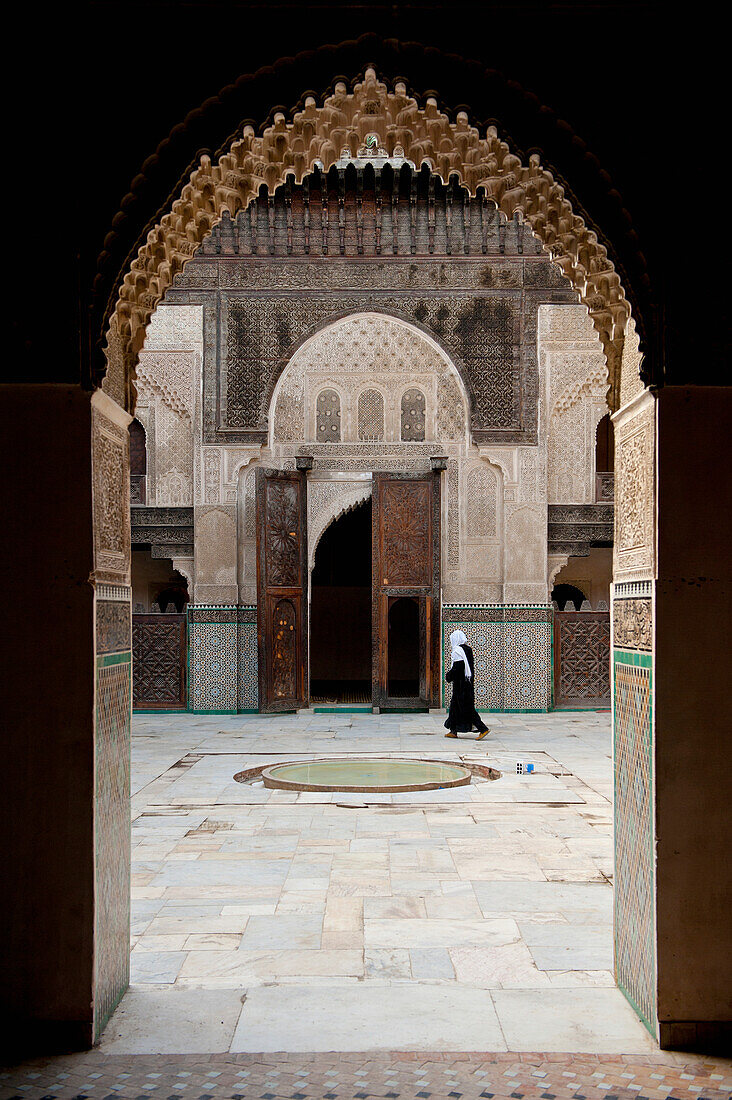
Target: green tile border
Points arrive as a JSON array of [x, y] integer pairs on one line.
[[177, 710], [631, 658], [107, 659]]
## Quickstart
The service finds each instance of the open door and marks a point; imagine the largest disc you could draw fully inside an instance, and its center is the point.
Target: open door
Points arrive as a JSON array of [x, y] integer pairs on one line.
[[282, 605], [406, 590]]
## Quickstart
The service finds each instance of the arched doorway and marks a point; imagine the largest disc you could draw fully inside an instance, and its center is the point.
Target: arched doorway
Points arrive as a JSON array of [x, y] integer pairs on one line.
[[340, 611], [635, 595]]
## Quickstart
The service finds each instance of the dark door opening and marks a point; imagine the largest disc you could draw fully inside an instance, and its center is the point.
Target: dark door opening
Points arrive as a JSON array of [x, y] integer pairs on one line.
[[403, 642], [340, 611]]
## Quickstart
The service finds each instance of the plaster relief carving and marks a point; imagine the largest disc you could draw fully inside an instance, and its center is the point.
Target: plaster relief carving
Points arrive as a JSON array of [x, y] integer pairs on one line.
[[633, 624], [634, 490], [215, 548], [111, 499], [577, 384], [327, 500], [525, 543], [425, 133], [211, 474], [368, 358], [481, 501]]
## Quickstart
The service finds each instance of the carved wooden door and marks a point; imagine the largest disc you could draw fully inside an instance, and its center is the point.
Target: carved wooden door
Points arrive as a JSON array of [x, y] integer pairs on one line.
[[159, 662], [582, 658], [282, 610], [406, 590]]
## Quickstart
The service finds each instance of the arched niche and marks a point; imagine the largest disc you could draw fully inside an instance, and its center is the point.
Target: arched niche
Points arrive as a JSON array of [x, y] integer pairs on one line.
[[360, 353]]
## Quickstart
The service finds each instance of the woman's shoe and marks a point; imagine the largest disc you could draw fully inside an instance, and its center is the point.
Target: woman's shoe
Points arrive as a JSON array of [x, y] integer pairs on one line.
[[450, 734], [482, 734]]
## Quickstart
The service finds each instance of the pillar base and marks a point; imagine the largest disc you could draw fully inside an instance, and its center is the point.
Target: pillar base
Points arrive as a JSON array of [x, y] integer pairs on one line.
[[702, 1036]]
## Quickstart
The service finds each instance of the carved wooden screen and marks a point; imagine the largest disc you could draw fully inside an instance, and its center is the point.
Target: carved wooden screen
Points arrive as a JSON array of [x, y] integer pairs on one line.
[[282, 589], [406, 563], [582, 658], [159, 662]]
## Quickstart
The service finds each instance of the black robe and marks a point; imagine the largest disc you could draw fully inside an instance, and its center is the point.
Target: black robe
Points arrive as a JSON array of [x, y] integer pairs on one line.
[[462, 716]]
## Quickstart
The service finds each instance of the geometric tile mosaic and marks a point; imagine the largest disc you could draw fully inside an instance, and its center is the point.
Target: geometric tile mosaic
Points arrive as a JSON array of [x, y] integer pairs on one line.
[[512, 659], [213, 673], [634, 896], [248, 667], [406, 1075], [112, 833]]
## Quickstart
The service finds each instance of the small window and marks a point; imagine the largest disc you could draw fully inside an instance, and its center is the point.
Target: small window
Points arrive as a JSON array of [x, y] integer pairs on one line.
[[328, 417], [370, 416], [413, 416]]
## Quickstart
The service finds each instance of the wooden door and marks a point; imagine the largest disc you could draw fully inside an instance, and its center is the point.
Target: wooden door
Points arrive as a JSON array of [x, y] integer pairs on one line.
[[582, 659], [282, 609], [159, 662], [406, 571]]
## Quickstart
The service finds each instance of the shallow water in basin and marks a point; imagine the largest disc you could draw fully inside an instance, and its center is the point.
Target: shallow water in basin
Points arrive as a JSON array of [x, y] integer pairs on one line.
[[375, 774]]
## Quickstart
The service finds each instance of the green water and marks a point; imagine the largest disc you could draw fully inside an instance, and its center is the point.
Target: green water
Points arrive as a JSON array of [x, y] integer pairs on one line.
[[359, 773]]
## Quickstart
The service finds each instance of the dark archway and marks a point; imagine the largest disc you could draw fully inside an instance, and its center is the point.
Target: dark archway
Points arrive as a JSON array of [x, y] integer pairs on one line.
[[340, 611], [568, 594]]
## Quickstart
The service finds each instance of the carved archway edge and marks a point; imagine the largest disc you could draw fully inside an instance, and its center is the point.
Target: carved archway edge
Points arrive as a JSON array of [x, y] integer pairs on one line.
[[349, 497], [427, 135]]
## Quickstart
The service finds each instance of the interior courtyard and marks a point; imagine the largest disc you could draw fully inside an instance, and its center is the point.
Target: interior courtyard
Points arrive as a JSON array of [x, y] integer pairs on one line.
[[373, 370]]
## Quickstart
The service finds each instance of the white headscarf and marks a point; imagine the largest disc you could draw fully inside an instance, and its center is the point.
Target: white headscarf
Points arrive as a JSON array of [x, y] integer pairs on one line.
[[457, 641]]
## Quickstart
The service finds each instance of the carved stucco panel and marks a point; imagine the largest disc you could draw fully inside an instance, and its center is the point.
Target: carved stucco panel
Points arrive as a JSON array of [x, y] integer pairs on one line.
[[173, 458], [526, 547], [633, 624], [215, 554], [111, 499], [630, 382], [211, 474], [357, 354], [635, 489], [175, 328], [327, 500], [576, 382], [319, 131]]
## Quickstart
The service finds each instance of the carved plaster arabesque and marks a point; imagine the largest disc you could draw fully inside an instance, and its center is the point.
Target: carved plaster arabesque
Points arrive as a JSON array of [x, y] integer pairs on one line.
[[576, 381], [425, 134], [634, 489], [327, 501], [111, 491], [359, 353]]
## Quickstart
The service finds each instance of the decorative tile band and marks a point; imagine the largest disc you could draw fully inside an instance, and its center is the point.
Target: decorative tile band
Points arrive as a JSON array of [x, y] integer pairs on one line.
[[626, 590], [112, 834], [513, 662], [210, 613], [497, 613], [634, 895]]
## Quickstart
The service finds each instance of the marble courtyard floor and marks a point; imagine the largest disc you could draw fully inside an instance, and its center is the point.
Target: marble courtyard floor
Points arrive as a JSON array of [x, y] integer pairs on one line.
[[301, 944]]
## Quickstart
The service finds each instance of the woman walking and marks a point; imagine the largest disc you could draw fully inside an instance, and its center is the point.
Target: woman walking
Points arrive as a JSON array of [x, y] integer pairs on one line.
[[462, 716]]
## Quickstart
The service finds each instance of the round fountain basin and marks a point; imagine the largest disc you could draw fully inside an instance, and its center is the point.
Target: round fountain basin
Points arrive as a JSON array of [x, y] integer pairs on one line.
[[365, 775]]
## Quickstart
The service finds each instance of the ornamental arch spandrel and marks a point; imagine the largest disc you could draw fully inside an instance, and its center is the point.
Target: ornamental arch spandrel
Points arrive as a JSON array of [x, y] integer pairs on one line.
[[319, 135]]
